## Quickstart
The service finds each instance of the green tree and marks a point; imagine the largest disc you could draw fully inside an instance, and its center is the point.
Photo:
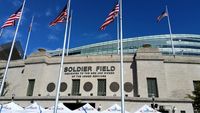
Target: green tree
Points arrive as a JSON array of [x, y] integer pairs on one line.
[[196, 97]]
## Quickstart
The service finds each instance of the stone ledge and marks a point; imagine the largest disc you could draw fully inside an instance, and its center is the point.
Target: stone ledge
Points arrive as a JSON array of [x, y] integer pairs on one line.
[[13, 63], [97, 98]]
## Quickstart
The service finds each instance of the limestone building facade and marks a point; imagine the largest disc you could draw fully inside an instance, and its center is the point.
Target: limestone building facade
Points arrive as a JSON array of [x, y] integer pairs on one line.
[[96, 80]]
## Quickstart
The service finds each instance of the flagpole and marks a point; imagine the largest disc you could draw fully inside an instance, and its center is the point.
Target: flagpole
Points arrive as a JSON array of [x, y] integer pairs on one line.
[[27, 42], [118, 41], [69, 35], [121, 61], [11, 50], [172, 42], [1, 32], [62, 60]]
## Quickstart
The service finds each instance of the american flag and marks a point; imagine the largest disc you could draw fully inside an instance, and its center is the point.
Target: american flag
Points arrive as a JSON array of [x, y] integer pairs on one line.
[[163, 14], [110, 17], [60, 18], [11, 20]]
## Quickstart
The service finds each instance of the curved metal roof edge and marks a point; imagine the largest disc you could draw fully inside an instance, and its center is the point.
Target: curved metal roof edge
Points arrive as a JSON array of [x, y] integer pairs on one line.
[[136, 38]]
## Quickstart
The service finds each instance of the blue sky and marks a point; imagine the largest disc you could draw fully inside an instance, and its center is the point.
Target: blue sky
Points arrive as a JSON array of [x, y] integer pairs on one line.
[[139, 19]]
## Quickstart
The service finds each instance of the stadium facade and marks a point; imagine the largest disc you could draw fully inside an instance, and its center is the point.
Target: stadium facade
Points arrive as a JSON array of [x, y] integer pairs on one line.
[[91, 74]]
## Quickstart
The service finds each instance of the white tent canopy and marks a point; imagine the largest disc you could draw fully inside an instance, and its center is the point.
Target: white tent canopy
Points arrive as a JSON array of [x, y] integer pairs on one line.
[[34, 108], [11, 108], [146, 109], [113, 109], [87, 108], [61, 108]]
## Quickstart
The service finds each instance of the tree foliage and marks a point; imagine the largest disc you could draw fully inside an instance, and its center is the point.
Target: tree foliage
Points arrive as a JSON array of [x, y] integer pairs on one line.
[[196, 97]]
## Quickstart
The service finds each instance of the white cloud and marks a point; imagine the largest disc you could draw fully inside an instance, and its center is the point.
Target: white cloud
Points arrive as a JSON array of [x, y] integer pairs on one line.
[[35, 26], [16, 3], [38, 15], [105, 35], [94, 35], [52, 37], [23, 20], [88, 35], [55, 28], [57, 8], [48, 12], [8, 35]]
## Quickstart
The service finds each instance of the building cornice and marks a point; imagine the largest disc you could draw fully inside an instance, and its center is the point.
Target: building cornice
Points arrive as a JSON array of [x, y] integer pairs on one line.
[[95, 98]]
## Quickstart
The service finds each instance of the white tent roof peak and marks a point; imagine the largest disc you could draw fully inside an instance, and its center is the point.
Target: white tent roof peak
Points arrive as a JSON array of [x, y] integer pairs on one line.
[[86, 107], [146, 109], [114, 107], [34, 106], [12, 106], [61, 107]]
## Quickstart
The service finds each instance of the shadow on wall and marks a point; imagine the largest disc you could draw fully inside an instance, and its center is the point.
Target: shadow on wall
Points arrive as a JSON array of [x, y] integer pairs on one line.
[[135, 79]]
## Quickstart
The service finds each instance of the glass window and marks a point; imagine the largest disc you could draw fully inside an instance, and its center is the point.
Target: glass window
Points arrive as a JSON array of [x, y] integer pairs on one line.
[[31, 83], [101, 87], [75, 87], [152, 87]]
